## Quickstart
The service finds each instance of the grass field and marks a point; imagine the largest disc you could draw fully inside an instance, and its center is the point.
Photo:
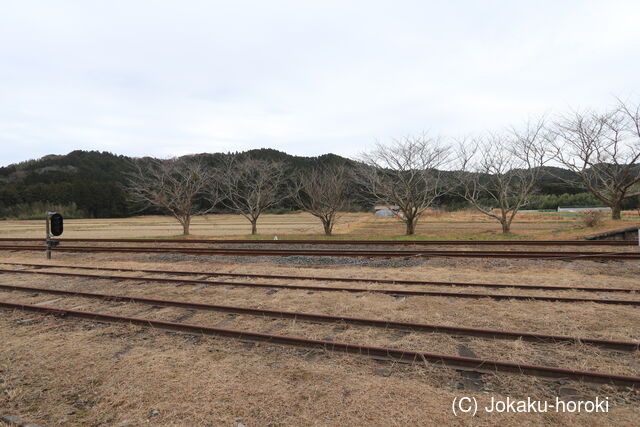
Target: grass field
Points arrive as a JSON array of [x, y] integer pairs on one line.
[[433, 225], [61, 371]]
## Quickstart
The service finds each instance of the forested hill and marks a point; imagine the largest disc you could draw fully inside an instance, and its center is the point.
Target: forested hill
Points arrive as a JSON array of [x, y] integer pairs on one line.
[[91, 184]]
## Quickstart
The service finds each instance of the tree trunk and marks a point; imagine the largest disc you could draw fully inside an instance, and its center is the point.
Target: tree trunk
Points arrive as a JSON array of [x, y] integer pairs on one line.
[[185, 226], [506, 226], [615, 211], [328, 226], [411, 226], [254, 226]]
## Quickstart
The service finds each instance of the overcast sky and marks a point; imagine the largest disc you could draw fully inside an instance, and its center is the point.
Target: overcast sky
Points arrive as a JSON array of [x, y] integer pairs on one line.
[[169, 78]]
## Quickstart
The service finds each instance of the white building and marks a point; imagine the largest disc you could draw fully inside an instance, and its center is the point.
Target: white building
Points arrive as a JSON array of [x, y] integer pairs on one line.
[[387, 211], [583, 208]]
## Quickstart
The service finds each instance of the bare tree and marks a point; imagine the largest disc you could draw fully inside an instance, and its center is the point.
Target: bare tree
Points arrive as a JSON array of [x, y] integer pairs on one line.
[[404, 173], [322, 192], [498, 173], [603, 150], [249, 187], [172, 185]]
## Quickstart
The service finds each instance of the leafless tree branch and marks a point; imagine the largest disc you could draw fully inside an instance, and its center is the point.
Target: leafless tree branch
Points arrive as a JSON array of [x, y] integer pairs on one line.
[[249, 187], [498, 173], [405, 173], [603, 150], [322, 192], [171, 185]]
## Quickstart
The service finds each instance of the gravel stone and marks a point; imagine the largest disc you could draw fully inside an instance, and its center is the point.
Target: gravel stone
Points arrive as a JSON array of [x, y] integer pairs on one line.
[[12, 419]]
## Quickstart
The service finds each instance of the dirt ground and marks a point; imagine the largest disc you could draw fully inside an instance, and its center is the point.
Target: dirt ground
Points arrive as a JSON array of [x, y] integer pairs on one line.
[[59, 371], [433, 225]]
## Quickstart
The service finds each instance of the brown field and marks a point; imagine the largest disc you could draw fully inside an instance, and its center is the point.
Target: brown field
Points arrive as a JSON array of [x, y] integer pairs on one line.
[[433, 225], [59, 371]]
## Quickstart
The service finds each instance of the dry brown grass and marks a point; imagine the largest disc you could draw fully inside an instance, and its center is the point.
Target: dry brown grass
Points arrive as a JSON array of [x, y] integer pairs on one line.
[[111, 374], [72, 372], [571, 356], [433, 225], [148, 226], [593, 219]]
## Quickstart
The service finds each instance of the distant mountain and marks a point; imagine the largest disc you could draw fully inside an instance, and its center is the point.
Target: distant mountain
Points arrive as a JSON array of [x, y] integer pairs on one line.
[[90, 179]]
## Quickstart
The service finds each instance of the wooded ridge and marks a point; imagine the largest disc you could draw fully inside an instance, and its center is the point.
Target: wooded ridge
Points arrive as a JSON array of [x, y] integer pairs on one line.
[[92, 184]]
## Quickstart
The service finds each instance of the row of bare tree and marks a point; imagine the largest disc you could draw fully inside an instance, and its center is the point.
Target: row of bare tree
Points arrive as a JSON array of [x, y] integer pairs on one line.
[[244, 186], [496, 173]]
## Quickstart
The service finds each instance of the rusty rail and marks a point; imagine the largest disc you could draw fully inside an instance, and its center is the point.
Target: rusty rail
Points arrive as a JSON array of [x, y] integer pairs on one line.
[[349, 242], [335, 279], [384, 324], [332, 289], [577, 255], [468, 363]]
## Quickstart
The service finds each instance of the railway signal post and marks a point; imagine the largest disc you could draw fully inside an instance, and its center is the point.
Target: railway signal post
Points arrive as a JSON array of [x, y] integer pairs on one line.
[[54, 227]]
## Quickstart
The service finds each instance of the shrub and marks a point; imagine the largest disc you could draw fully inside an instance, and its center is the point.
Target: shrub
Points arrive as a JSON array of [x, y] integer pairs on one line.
[[36, 210], [593, 218], [279, 211]]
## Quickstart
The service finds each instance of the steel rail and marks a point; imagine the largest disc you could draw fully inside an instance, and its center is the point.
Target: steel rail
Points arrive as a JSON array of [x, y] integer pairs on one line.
[[348, 242], [313, 317], [343, 253], [331, 289], [356, 252], [459, 362], [336, 279]]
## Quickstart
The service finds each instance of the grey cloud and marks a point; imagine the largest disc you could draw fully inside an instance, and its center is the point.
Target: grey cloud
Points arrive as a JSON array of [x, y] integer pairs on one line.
[[164, 78]]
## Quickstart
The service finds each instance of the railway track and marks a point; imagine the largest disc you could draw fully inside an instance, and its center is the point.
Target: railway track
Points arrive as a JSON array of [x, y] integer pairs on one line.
[[349, 242], [330, 278], [383, 324], [456, 362], [566, 255], [397, 292]]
